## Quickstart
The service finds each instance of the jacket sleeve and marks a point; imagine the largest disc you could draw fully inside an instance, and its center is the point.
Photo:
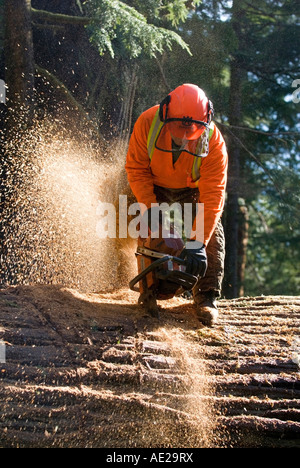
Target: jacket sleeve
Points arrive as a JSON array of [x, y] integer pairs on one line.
[[138, 163], [212, 184]]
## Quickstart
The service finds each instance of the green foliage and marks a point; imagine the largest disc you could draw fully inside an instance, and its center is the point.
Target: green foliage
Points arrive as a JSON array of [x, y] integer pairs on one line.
[[270, 165], [117, 21], [177, 11], [165, 11], [274, 233], [210, 42], [273, 251]]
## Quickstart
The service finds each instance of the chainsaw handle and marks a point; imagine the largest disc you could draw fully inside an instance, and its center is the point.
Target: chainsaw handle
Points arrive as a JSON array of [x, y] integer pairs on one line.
[[153, 266], [147, 270], [178, 260]]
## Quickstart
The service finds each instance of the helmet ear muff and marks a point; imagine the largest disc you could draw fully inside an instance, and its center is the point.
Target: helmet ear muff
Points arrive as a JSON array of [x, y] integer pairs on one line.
[[210, 112], [164, 115]]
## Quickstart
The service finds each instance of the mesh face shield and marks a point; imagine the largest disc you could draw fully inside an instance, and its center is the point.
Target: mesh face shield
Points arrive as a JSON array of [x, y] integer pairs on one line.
[[190, 136]]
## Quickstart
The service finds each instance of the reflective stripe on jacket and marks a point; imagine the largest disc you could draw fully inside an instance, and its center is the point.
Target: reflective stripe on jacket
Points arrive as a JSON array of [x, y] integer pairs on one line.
[[147, 166]]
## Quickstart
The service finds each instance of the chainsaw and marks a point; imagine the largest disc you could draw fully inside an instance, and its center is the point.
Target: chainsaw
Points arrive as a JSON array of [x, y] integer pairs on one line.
[[161, 272]]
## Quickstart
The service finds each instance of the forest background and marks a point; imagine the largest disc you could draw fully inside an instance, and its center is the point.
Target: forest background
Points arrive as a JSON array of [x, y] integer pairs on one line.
[[111, 60]]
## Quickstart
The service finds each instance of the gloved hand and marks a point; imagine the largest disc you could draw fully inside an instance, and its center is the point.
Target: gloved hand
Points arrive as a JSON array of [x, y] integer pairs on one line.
[[196, 259]]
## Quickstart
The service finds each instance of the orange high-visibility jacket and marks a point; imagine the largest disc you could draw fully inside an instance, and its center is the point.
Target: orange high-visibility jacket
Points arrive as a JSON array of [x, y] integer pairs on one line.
[[145, 171]]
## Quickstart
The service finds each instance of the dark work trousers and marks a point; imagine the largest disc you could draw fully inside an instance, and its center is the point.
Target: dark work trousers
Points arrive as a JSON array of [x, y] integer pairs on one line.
[[216, 247]]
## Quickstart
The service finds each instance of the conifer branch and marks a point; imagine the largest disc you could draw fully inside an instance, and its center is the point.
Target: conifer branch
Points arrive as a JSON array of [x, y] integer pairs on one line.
[[57, 18]]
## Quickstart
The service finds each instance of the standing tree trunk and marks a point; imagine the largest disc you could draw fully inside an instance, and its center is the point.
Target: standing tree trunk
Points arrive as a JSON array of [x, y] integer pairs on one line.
[[231, 281], [19, 77], [243, 244], [19, 62]]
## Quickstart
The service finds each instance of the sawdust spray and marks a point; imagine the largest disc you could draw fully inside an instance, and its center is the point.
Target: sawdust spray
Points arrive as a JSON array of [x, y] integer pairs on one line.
[[196, 402], [55, 180]]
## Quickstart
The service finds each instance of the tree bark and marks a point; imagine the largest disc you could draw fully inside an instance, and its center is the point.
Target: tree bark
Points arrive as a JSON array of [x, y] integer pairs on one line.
[[243, 244], [231, 280], [19, 77], [19, 60]]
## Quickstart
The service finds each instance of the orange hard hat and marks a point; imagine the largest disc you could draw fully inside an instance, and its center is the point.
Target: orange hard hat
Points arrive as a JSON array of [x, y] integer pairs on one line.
[[188, 112]]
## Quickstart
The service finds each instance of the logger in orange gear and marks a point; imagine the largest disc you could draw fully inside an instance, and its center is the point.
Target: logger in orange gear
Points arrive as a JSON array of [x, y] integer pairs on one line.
[[177, 154]]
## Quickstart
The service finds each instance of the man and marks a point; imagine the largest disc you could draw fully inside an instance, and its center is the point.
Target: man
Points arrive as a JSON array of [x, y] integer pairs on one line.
[[177, 154]]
